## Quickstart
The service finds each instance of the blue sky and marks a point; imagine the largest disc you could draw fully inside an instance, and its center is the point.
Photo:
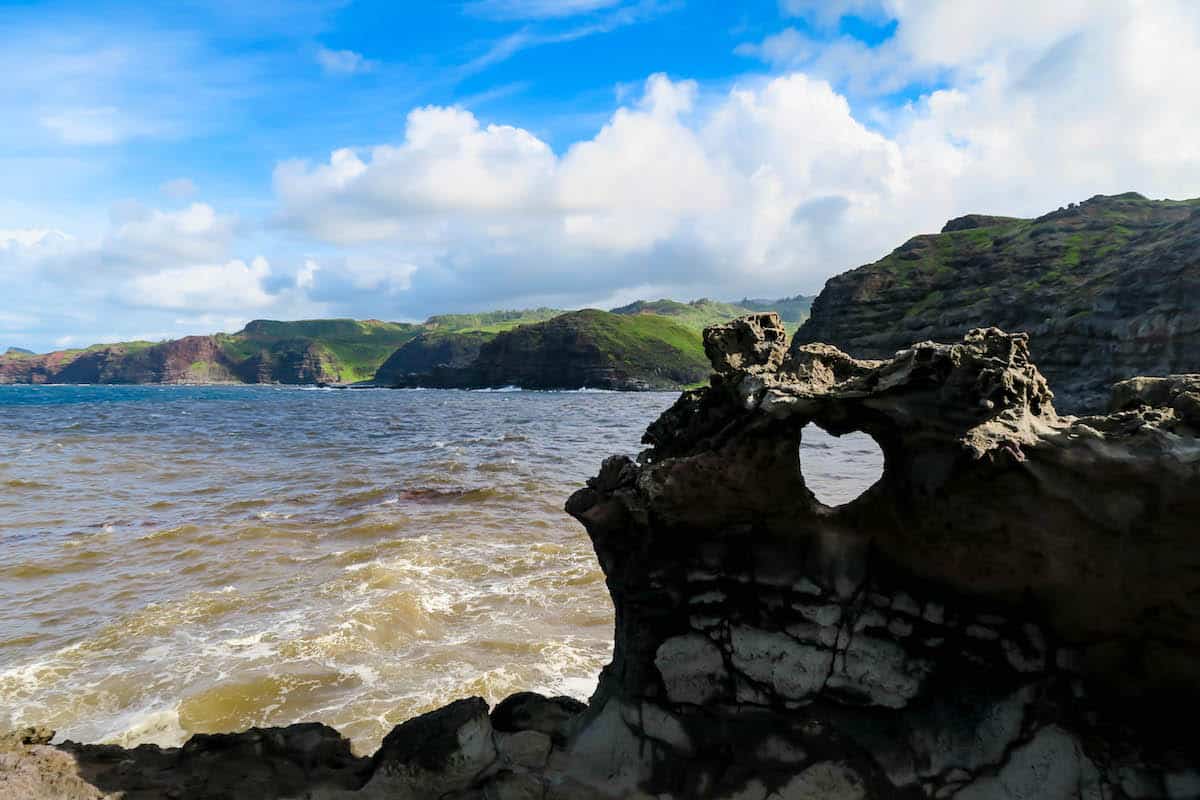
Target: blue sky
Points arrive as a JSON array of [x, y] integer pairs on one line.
[[184, 168]]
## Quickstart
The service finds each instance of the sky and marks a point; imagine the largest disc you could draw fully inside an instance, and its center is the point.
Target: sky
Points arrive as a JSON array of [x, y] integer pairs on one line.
[[184, 169]]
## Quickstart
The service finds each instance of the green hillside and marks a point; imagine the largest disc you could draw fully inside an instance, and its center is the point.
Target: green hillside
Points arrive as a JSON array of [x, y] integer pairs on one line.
[[490, 321], [352, 349], [588, 348], [1107, 289], [697, 315], [644, 344]]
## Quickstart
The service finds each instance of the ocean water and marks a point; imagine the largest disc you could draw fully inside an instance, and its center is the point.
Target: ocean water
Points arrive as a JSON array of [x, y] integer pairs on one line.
[[194, 559]]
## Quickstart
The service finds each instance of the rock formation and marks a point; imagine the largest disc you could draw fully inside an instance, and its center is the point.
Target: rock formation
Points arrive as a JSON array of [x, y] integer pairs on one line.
[[1011, 613], [1108, 289]]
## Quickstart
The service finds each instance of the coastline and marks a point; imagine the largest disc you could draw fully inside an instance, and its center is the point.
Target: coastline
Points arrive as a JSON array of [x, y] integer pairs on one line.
[[767, 645]]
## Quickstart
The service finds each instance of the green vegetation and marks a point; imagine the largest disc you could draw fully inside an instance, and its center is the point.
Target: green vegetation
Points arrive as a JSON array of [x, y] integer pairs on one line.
[[697, 315], [1076, 279], [349, 350], [1062, 243], [654, 342], [490, 321], [632, 349], [639, 338]]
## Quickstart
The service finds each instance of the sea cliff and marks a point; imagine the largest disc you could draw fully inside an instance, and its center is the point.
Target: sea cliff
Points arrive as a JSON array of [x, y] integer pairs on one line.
[[1107, 289], [1011, 612]]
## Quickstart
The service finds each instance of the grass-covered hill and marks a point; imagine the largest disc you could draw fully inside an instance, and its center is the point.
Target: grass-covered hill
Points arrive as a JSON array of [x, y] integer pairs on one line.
[[577, 349], [1107, 289], [699, 314], [347, 350], [640, 345], [489, 321], [265, 351]]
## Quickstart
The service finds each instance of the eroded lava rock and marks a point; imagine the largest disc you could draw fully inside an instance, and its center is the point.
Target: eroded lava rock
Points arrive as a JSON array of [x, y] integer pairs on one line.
[[1011, 613]]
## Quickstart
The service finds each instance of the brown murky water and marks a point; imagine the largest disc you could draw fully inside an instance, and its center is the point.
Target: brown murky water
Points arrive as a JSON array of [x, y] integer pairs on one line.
[[190, 559]]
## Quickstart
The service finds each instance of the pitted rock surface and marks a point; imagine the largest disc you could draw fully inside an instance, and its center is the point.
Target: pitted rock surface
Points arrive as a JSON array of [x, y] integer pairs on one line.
[[1012, 611]]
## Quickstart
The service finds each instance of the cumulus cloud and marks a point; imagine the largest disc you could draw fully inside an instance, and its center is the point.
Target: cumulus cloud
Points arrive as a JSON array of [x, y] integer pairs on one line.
[[234, 285], [765, 187], [137, 240], [780, 182], [150, 270], [745, 193]]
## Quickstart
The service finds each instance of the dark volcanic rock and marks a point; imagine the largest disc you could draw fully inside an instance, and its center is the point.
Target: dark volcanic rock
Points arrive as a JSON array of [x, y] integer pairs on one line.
[[1012, 612], [258, 764], [1108, 289], [529, 711], [417, 361]]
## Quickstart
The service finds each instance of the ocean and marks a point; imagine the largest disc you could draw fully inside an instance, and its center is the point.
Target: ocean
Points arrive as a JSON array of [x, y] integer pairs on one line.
[[196, 559]]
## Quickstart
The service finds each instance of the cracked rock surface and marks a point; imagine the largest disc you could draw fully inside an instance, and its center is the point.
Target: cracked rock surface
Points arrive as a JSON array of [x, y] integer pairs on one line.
[[1011, 613]]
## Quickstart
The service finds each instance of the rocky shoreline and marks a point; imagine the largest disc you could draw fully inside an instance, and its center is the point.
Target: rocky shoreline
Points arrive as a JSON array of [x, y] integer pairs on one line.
[[1011, 612]]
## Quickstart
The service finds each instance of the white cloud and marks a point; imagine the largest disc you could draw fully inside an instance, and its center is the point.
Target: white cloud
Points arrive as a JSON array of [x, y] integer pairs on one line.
[[233, 285], [148, 267], [306, 277], [447, 163], [142, 237], [766, 187], [751, 190], [343, 62], [778, 183]]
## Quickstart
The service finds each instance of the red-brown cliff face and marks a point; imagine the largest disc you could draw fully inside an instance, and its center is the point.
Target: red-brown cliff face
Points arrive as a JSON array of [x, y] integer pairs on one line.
[[192, 359]]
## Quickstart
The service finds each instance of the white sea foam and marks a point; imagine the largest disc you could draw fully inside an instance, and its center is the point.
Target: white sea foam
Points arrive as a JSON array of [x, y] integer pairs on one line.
[[481, 601], [155, 725]]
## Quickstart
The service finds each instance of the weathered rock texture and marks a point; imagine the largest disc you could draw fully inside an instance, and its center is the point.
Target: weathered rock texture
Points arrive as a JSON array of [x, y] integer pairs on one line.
[[1108, 289], [1011, 613]]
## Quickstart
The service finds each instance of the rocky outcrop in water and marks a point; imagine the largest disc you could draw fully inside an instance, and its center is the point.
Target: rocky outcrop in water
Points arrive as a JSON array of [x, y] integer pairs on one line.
[[1107, 289], [1011, 613], [432, 358]]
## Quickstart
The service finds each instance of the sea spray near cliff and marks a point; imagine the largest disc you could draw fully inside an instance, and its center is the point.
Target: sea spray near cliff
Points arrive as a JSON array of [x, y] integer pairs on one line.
[[183, 559]]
